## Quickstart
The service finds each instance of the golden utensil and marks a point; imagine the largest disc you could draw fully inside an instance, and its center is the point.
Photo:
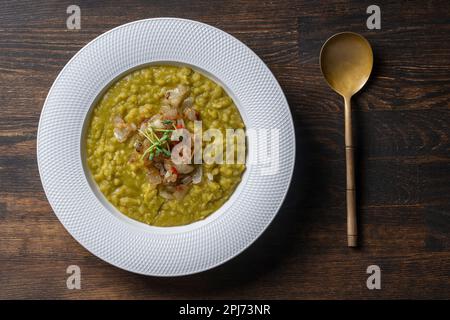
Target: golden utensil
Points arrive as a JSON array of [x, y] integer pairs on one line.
[[346, 60]]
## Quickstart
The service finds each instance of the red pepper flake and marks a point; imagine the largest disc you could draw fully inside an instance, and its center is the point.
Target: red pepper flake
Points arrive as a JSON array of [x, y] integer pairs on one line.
[[180, 126], [174, 170]]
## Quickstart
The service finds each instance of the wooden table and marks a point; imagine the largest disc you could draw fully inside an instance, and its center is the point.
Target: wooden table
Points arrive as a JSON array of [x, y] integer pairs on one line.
[[403, 158]]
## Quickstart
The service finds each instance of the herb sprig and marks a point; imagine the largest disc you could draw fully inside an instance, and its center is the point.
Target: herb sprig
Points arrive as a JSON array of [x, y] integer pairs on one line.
[[158, 145]]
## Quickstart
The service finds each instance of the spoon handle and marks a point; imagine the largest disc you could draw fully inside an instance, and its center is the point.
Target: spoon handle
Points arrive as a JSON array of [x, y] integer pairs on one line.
[[352, 233]]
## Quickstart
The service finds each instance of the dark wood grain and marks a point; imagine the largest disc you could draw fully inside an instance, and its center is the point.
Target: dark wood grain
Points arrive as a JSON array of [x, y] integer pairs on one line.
[[403, 154]]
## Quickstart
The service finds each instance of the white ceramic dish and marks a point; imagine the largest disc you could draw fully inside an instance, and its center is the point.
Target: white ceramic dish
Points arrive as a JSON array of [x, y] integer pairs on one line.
[[83, 210]]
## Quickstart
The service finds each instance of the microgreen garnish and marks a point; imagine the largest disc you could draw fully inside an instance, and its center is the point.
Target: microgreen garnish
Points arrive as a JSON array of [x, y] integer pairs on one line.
[[166, 152], [158, 144]]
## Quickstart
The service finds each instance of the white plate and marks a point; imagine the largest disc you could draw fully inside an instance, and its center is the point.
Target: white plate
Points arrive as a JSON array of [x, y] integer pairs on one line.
[[83, 210]]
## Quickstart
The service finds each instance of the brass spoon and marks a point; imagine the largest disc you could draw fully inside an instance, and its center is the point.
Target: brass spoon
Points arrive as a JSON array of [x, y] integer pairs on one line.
[[346, 61]]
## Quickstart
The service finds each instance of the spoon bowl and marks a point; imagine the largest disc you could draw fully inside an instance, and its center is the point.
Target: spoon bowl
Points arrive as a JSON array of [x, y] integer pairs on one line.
[[346, 61]]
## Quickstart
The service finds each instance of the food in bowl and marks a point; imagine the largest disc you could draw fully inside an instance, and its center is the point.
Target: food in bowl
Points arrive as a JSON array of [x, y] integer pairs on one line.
[[142, 139]]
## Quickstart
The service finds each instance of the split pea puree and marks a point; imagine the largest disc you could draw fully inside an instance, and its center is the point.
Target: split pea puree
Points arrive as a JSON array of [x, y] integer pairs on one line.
[[142, 185]]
